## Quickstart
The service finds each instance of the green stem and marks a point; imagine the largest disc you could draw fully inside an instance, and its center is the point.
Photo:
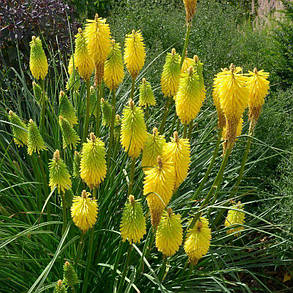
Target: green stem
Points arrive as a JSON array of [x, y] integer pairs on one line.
[[188, 27], [208, 171], [173, 123], [162, 271], [241, 172], [144, 251], [43, 107], [190, 130], [125, 270], [98, 109], [64, 212], [243, 162], [79, 248], [86, 124], [88, 262], [132, 89], [131, 177], [165, 115], [185, 131], [111, 140], [215, 187]]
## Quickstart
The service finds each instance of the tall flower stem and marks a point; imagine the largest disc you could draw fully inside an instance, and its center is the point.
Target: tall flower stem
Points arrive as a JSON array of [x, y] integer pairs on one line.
[[132, 88], [187, 34], [125, 270], [190, 130], [213, 159], [165, 115], [215, 187], [43, 107], [112, 122], [63, 212], [162, 271], [79, 248], [185, 130], [244, 160], [87, 113], [131, 177], [241, 171], [98, 108]]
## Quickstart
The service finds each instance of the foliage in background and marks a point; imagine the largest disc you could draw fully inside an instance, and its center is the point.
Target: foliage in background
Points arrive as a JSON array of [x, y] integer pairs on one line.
[[20, 20], [283, 35]]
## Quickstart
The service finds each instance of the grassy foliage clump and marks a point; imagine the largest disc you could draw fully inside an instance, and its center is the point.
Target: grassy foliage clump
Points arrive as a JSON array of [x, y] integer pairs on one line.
[[81, 211]]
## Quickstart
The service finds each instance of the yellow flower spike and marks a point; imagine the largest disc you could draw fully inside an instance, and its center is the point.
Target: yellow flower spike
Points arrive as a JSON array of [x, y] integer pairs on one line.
[[133, 225], [133, 130], [19, 129], [190, 7], [114, 68], [38, 59], [83, 60], [59, 176], [98, 37], [146, 95], [169, 233], [258, 87], [179, 152], [235, 219], [187, 63], [153, 148], [35, 142], [230, 86], [70, 65], [188, 100], [158, 187], [198, 240], [84, 211], [134, 53], [171, 74], [93, 163]]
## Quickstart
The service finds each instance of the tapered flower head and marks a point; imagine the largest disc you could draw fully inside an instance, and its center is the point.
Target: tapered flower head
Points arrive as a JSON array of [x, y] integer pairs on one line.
[[38, 59], [60, 287], [231, 90], [198, 68], [133, 130], [84, 211], [83, 60], [69, 135], [146, 95], [38, 92], [70, 65], [258, 88], [106, 112], [66, 109], [152, 148], [59, 176], [188, 99], [69, 274], [178, 151], [235, 219], [198, 240], [158, 186], [134, 53], [98, 37], [74, 78], [171, 74], [190, 7], [93, 164], [169, 233], [132, 225], [19, 129], [114, 68], [35, 142]]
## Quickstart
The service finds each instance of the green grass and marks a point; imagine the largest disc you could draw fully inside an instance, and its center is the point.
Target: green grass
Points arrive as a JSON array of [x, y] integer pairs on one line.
[[33, 248]]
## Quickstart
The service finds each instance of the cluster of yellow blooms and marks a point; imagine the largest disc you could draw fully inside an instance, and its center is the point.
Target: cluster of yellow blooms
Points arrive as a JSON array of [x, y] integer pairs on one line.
[[165, 164]]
